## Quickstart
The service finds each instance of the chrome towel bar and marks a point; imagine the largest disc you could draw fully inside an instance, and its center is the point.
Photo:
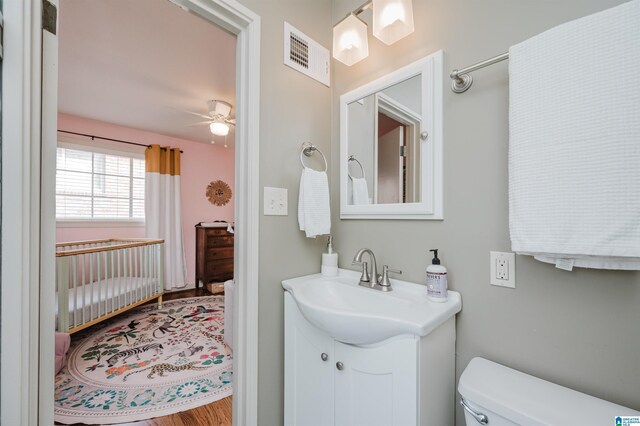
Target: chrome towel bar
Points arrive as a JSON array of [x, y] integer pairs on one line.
[[462, 80]]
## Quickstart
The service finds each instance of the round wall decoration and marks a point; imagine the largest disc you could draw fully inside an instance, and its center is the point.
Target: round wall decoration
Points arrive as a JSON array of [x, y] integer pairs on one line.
[[218, 193]]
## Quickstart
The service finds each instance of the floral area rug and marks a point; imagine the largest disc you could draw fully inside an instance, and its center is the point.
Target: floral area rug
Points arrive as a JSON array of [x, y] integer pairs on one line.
[[146, 363]]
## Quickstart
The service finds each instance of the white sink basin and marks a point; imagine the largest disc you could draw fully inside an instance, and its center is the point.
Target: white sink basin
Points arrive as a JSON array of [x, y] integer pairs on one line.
[[358, 315]]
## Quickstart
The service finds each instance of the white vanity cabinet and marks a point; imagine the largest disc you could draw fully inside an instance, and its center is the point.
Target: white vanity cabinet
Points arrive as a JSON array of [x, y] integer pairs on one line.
[[397, 382], [377, 385], [309, 361]]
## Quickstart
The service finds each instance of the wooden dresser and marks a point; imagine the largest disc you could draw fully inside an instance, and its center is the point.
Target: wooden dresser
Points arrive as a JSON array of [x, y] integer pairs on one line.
[[214, 255]]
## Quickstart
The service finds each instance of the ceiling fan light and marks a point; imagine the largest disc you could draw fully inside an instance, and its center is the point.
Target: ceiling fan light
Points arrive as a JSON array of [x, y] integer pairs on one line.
[[219, 128], [392, 19]]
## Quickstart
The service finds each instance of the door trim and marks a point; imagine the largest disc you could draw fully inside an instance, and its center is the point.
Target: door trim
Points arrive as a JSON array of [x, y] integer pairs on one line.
[[234, 17], [20, 256]]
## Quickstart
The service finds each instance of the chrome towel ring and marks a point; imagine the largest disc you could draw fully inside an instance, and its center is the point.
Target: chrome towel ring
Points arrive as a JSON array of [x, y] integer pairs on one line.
[[308, 149], [353, 158]]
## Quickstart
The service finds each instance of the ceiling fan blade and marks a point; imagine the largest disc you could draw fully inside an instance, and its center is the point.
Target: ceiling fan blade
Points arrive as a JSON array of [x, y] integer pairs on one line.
[[199, 123], [230, 120], [197, 114]]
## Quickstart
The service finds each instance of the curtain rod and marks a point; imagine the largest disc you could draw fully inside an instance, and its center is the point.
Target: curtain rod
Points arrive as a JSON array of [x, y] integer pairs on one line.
[[107, 139]]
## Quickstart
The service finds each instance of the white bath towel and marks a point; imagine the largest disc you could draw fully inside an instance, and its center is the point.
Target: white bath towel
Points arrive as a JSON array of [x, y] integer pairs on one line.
[[314, 214], [359, 191], [574, 143]]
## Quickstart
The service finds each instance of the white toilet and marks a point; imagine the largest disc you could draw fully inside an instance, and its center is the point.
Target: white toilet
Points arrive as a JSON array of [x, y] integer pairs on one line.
[[496, 395]]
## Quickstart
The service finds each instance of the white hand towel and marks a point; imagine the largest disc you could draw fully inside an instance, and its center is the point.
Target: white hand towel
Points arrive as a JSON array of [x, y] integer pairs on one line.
[[359, 191], [574, 145], [314, 214]]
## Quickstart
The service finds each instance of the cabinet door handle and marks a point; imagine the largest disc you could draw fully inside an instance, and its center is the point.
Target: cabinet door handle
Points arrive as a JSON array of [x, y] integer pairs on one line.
[[324, 356], [339, 365]]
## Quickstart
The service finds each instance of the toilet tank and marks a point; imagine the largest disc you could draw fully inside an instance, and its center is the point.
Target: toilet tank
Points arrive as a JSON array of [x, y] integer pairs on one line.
[[508, 397]]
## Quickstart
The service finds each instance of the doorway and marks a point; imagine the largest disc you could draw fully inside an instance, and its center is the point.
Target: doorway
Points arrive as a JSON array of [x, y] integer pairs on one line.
[[34, 404]]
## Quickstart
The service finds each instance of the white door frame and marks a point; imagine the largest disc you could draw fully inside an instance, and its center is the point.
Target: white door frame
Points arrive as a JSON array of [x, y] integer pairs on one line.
[[403, 114], [20, 212], [26, 390]]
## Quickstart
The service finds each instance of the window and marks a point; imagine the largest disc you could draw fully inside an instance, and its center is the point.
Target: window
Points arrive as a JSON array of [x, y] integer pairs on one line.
[[98, 185]]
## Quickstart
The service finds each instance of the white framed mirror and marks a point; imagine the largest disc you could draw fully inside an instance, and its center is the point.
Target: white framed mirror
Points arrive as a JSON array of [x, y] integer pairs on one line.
[[391, 145]]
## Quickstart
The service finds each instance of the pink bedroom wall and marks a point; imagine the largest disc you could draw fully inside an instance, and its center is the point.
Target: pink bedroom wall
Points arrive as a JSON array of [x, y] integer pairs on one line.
[[81, 234], [200, 164]]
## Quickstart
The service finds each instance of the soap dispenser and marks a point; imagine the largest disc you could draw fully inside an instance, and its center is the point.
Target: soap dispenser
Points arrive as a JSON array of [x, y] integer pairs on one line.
[[329, 266], [436, 280]]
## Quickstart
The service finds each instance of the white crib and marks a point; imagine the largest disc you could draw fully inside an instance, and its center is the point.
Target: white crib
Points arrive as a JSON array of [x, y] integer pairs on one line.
[[98, 279]]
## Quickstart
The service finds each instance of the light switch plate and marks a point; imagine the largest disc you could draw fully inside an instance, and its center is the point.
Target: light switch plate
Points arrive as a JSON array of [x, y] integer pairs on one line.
[[275, 201], [503, 269]]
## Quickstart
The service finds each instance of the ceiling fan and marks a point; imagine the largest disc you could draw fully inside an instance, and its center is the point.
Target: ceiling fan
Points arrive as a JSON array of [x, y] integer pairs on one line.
[[219, 119]]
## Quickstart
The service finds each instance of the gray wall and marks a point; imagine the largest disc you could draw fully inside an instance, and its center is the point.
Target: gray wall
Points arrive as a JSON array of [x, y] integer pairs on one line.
[[294, 109], [578, 329]]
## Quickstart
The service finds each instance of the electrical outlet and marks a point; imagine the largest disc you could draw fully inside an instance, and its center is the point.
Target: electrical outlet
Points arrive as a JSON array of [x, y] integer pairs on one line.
[[503, 269]]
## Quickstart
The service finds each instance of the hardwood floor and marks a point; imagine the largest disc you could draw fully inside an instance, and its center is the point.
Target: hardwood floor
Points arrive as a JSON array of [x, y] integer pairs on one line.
[[215, 414]]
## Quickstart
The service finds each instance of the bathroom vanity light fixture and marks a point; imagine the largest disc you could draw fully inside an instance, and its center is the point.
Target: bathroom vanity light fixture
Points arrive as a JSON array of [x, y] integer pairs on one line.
[[350, 44], [392, 20]]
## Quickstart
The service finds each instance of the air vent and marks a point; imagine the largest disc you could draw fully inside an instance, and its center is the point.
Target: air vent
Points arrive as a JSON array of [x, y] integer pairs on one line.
[[305, 55]]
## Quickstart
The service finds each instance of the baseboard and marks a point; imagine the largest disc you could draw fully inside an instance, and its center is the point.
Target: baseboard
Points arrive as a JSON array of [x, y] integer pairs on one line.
[[189, 286]]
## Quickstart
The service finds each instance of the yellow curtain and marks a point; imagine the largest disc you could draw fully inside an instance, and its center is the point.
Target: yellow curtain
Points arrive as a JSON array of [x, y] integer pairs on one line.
[[163, 160]]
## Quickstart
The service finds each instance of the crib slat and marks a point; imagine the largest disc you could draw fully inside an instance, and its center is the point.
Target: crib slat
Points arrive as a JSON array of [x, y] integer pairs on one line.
[[101, 312], [140, 273], [130, 250], [91, 287], [84, 288], [161, 268], [154, 283], [154, 278], [120, 295], [63, 295], [143, 272], [107, 298], [109, 266], [126, 281], [74, 271], [146, 271], [136, 267]]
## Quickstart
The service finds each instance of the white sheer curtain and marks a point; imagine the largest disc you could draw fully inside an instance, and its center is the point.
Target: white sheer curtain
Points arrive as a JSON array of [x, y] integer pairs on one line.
[[163, 215]]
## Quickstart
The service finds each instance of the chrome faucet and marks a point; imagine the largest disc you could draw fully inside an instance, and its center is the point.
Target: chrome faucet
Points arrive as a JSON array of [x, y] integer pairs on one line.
[[366, 279], [373, 280]]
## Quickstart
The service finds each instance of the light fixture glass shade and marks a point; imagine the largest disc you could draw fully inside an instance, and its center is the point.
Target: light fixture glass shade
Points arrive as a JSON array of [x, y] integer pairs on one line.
[[219, 128], [350, 43], [392, 19]]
